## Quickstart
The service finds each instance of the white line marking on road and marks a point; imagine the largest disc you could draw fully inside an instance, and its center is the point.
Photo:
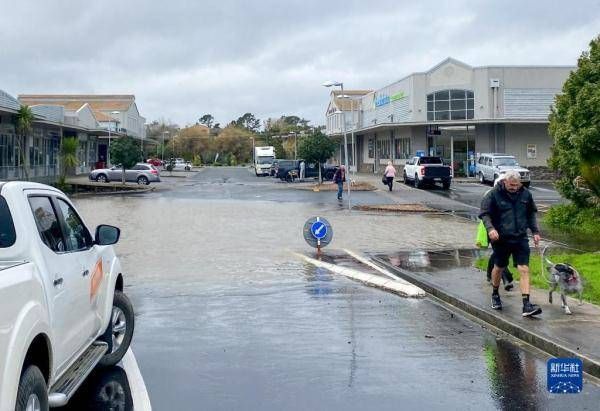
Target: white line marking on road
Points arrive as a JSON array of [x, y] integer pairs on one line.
[[542, 189], [139, 393], [367, 262]]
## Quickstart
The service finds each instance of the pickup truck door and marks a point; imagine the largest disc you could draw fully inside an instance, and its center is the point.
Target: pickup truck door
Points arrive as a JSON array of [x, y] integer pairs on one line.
[[70, 328]]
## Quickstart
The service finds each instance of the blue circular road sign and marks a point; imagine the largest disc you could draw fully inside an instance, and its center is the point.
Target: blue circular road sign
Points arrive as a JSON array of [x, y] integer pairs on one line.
[[317, 232]]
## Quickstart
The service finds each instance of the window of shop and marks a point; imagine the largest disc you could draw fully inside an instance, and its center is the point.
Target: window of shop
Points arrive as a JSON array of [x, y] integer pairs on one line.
[[402, 148], [384, 148], [450, 105]]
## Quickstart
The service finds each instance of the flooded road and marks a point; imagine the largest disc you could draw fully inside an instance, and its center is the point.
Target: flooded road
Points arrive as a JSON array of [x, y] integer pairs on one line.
[[228, 318]]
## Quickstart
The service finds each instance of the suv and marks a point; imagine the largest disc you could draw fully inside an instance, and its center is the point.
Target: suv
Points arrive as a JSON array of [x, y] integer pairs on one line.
[[490, 166]]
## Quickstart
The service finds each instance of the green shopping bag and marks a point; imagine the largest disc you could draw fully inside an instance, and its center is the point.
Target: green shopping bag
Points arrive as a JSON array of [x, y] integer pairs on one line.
[[482, 236]]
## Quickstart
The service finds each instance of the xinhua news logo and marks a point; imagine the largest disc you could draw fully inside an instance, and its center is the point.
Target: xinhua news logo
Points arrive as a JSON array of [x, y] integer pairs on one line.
[[565, 375]]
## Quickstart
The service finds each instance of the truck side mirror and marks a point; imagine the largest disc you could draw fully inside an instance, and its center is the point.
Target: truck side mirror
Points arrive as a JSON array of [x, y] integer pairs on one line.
[[107, 234]]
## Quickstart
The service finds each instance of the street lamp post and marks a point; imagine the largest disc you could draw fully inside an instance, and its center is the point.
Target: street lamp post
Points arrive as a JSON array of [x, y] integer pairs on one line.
[[109, 124], [341, 85]]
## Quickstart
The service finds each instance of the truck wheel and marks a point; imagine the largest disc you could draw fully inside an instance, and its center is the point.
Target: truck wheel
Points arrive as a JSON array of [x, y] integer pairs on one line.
[[481, 178], [32, 393], [418, 184], [446, 185], [120, 330]]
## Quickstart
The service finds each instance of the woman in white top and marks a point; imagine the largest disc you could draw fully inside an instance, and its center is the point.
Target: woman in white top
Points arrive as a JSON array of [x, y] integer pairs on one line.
[[390, 174]]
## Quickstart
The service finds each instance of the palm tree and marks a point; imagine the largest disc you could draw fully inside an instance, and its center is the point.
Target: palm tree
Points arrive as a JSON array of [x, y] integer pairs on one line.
[[24, 125], [68, 156]]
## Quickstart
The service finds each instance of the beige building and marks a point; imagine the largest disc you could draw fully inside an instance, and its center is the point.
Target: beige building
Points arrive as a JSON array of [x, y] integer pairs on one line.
[[454, 111]]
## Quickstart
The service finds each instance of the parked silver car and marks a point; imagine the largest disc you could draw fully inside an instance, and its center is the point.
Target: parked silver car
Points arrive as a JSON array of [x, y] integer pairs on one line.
[[490, 166], [140, 173]]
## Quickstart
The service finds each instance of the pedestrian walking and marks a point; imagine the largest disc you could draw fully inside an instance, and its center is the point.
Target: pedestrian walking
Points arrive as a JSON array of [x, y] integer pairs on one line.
[[508, 211], [339, 178], [302, 170], [390, 174]]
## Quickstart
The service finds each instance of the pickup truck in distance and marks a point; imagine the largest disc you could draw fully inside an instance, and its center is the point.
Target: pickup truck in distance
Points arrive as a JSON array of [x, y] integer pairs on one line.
[[62, 307], [427, 170]]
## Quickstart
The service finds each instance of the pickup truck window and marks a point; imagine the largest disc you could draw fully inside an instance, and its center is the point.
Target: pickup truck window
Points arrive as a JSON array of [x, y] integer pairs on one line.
[[8, 235], [47, 223], [430, 160], [77, 236]]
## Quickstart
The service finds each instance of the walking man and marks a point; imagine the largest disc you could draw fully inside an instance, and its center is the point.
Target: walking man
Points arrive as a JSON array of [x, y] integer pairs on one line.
[[390, 174], [302, 170], [339, 177], [507, 211]]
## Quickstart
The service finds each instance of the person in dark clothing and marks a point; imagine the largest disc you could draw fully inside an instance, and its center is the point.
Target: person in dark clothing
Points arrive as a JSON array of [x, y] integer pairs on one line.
[[339, 178], [508, 211]]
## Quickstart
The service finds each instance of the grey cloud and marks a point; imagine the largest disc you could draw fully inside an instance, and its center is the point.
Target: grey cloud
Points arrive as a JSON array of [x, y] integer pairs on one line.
[[185, 58]]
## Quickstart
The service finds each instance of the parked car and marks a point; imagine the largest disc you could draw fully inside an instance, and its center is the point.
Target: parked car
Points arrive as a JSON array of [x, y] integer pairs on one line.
[[62, 306], [178, 164], [427, 170], [289, 169], [490, 166], [141, 173], [156, 162]]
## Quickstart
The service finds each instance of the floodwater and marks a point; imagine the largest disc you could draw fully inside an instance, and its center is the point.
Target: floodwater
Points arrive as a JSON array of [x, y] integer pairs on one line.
[[228, 318]]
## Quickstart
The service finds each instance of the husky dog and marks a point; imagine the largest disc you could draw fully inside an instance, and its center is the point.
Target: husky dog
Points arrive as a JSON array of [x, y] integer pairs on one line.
[[564, 276]]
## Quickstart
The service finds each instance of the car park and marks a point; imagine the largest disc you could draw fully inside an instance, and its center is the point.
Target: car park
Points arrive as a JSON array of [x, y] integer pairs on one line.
[[141, 173], [62, 306], [490, 166], [422, 171]]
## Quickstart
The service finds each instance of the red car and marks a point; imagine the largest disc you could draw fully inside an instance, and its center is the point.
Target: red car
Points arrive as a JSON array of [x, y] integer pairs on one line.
[[154, 161]]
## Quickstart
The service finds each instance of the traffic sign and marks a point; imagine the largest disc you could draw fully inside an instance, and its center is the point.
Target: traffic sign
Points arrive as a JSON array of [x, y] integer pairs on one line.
[[317, 232], [318, 229]]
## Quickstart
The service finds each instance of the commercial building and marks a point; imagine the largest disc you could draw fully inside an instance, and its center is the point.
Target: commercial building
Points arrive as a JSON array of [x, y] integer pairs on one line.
[[454, 111], [93, 119]]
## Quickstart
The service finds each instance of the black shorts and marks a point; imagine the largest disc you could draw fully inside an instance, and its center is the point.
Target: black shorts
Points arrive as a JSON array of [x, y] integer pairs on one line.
[[518, 248]]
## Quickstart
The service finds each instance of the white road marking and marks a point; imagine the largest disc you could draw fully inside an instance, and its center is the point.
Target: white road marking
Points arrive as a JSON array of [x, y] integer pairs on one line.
[[139, 393], [534, 188]]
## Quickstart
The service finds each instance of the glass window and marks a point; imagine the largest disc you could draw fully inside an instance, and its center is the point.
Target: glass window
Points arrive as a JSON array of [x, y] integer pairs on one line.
[[430, 116], [441, 105], [458, 115], [442, 115], [430, 106], [371, 148], [469, 94], [77, 236], [430, 97], [470, 104], [442, 95], [47, 223], [8, 236], [470, 114], [457, 105], [402, 147], [457, 94]]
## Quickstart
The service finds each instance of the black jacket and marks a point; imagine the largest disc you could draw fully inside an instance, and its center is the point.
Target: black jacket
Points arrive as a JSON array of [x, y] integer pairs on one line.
[[509, 214]]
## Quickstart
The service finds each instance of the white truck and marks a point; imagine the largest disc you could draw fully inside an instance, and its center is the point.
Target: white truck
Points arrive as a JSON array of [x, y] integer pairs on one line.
[[62, 306], [427, 170], [263, 160]]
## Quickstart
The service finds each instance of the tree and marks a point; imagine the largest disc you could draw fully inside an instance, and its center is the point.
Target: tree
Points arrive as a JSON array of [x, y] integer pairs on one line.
[[207, 120], [575, 127], [249, 122], [126, 152], [316, 148], [235, 144], [25, 119], [68, 157]]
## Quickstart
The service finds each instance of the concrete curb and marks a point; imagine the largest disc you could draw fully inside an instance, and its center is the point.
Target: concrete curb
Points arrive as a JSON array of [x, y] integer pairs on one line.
[[403, 289], [554, 348]]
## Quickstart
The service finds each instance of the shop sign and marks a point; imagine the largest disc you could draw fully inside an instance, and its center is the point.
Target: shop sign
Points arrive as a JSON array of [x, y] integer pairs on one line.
[[398, 96], [531, 151], [381, 100]]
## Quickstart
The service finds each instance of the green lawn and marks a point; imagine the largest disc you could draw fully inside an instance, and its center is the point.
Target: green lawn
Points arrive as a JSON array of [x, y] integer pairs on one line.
[[588, 265]]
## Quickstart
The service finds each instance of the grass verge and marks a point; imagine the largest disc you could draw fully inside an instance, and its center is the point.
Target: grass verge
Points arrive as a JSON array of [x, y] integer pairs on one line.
[[588, 265], [570, 218]]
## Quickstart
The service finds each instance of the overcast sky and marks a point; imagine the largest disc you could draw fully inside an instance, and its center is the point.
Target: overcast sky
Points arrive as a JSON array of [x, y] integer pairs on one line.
[[185, 58]]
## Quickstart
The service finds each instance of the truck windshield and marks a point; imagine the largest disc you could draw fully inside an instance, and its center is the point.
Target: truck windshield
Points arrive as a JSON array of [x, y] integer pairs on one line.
[[8, 235], [505, 161], [265, 160]]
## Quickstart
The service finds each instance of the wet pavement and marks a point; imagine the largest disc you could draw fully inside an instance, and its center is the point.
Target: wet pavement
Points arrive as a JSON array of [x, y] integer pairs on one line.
[[227, 318]]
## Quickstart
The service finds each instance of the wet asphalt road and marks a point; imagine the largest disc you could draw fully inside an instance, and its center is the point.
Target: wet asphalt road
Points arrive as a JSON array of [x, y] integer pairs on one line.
[[228, 319]]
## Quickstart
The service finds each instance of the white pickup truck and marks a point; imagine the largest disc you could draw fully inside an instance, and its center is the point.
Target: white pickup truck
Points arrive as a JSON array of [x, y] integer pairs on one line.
[[427, 170], [62, 306]]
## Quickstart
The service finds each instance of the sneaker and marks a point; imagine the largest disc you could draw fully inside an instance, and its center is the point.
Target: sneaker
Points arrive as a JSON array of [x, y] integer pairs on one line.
[[531, 309], [509, 286], [496, 302]]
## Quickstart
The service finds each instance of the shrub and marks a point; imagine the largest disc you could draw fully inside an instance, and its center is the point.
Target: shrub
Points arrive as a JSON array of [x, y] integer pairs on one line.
[[571, 218]]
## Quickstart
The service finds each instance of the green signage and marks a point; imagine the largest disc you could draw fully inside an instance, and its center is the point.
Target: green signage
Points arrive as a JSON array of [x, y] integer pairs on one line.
[[398, 96]]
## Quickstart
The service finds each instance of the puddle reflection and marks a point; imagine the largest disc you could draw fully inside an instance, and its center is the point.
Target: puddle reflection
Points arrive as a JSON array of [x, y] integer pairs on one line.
[[419, 260], [105, 389]]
